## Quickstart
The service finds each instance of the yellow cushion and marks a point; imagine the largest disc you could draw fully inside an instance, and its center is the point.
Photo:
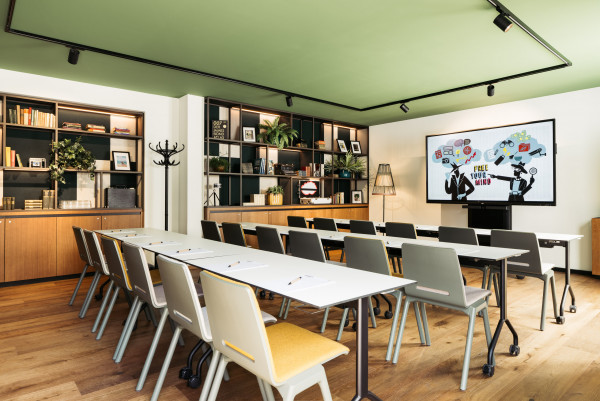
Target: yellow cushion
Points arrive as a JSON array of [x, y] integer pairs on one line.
[[155, 276], [295, 349]]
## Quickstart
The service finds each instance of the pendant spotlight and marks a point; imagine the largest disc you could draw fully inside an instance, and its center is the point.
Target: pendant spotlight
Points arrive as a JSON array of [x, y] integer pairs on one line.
[[404, 108], [73, 56], [490, 90], [289, 101], [502, 21]]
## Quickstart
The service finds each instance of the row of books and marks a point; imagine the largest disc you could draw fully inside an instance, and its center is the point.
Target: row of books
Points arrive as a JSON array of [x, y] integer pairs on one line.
[[121, 131], [96, 128], [29, 116], [11, 158], [337, 198], [71, 125]]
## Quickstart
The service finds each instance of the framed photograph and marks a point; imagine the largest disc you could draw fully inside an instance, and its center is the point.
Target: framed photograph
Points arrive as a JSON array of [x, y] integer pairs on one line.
[[247, 168], [355, 146], [342, 145], [357, 197], [37, 162], [121, 161], [249, 134]]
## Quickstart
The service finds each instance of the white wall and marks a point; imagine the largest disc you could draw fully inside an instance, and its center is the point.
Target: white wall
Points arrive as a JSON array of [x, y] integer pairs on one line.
[[162, 121], [402, 144]]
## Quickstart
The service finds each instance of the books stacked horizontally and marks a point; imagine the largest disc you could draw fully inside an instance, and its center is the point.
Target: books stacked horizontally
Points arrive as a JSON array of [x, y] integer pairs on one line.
[[29, 116], [95, 128], [121, 131], [11, 158], [75, 204], [71, 125], [31, 204]]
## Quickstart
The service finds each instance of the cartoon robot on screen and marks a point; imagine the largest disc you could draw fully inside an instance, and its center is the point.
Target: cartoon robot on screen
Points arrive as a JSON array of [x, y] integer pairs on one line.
[[518, 185], [458, 185]]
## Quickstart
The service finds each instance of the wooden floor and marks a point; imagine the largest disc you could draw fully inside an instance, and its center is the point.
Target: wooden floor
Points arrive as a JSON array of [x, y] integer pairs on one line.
[[47, 352]]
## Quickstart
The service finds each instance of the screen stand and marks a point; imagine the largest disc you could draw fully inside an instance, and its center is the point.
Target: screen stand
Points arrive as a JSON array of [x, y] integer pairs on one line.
[[490, 217]]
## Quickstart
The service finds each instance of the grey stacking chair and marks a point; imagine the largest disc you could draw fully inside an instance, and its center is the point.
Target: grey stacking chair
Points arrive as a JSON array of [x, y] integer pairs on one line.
[[463, 235], [362, 227], [439, 282], [529, 264], [307, 245], [371, 255], [327, 224], [400, 230], [181, 294], [96, 260], [297, 221], [85, 258], [210, 230], [233, 234]]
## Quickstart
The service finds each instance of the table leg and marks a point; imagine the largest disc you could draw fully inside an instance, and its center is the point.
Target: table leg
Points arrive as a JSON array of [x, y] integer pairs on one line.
[[573, 308], [362, 353], [488, 368]]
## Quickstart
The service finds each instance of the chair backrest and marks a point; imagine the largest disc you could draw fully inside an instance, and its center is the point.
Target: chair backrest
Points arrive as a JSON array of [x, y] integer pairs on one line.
[[297, 221], [306, 245], [233, 234], [269, 239], [81, 245], [237, 326], [366, 254], [437, 273], [530, 262], [362, 227], [210, 230], [182, 298], [114, 262], [139, 274], [95, 252], [321, 223], [402, 230], [458, 235]]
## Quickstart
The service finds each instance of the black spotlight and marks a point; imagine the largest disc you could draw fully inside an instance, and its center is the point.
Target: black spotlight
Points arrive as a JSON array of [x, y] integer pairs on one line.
[[502, 22], [73, 56], [289, 101], [404, 108], [490, 90]]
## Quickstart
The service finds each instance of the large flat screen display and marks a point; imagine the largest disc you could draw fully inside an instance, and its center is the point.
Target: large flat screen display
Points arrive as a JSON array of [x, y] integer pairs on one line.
[[513, 164]]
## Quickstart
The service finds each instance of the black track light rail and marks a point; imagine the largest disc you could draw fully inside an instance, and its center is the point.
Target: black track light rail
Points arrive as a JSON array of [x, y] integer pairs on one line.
[[564, 63]]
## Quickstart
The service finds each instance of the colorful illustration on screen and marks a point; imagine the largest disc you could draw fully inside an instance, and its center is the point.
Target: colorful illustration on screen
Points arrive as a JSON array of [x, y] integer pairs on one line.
[[455, 155]]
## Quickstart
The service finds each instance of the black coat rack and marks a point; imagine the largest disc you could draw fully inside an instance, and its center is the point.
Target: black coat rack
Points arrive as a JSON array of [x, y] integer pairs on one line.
[[166, 153]]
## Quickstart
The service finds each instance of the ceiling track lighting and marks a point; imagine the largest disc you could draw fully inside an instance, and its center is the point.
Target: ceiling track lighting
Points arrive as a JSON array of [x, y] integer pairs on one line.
[[490, 90], [73, 56], [504, 20], [289, 101]]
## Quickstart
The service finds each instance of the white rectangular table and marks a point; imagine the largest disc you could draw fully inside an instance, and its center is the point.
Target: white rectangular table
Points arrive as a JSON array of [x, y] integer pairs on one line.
[[342, 284]]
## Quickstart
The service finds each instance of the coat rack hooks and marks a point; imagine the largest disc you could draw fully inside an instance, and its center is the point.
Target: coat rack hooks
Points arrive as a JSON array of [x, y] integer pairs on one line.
[[166, 153]]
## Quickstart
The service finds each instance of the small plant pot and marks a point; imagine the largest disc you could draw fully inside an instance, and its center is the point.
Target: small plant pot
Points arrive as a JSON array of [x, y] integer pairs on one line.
[[275, 199], [345, 174]]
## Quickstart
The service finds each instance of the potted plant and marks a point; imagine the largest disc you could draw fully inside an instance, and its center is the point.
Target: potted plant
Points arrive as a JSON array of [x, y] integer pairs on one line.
[[275, 133], [218, 164], [347, 164], [68, 154], [275, 195]]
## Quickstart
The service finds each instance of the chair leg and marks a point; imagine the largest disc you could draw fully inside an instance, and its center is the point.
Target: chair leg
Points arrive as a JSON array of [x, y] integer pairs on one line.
[[129, 322], [161, 324], [342, 256], [78, 284], [544, 297], [127, 331], [166, 363], [287, 309], [210, 374], [468, 346], [401, 331], [553, 289], [214, 390], [425, 324], [419, 323], [261, 386], [388, 353], [373, 321], [108, 312], [90, 294], [103, 306], [324, 323], [268, 391], [484, 278], [342, 322], [324, 385], [282, 307]]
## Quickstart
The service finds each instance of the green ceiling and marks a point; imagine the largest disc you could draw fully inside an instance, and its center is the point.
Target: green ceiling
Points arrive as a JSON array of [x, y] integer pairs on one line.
[[359, 53]]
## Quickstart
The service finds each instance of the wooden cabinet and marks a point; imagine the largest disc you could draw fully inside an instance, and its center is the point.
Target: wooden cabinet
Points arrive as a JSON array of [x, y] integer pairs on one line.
[[30, 248], [67, 255], [2, 224], [117, 221]]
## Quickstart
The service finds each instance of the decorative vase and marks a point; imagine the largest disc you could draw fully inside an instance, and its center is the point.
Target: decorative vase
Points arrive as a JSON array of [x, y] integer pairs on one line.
[[275, 199], [345, 174]]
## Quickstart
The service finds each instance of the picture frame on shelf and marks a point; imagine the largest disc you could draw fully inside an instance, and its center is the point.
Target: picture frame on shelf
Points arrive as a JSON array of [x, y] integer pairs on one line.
[[247, 168], [342, 145], [121, 161], [355, 146], [249, 134], [37, 162], [357, 197]]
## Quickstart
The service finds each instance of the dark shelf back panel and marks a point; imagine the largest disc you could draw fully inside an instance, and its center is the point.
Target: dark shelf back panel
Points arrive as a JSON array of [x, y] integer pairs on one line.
[[25, 185], [29, 143], [83, 118], [250, 185], [99, 146]]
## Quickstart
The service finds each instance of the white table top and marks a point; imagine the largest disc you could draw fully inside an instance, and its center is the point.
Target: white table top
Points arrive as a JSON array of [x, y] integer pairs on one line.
[[328, 284]]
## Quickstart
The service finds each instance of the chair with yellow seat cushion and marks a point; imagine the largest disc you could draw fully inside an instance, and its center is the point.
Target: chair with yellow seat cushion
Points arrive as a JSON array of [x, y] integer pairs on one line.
[[283, 355]]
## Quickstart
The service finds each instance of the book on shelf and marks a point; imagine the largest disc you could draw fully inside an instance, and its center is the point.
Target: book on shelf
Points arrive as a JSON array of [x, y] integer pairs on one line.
[[30, 116], [20, 164], [13, 156], [7, 156], [69, 125], [219, 129], [121, 131], [95, 128]]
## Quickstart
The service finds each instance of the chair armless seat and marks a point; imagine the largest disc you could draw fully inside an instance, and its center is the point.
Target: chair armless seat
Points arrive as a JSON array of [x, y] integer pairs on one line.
[[85, 258], [327, 224], [233, 233], [297, 221], [210, 230], [362, 227], [464, 235]]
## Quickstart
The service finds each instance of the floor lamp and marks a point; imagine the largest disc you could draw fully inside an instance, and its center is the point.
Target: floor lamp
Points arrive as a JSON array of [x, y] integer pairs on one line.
[[384, 183]]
